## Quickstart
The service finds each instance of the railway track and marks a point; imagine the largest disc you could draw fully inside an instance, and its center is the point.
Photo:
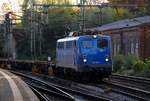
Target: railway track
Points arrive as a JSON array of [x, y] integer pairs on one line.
[[49, 94], [90, 92], [52, 92], [43, 89], [39, 94], [138, 82], [65, 92], [133, 86]]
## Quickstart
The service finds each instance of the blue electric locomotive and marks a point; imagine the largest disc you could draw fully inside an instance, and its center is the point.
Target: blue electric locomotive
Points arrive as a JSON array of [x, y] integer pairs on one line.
[[85, 54]]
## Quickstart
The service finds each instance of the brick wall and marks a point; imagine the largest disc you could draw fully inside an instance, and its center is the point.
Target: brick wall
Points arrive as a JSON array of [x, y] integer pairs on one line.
[[125, 41], [145, 41]]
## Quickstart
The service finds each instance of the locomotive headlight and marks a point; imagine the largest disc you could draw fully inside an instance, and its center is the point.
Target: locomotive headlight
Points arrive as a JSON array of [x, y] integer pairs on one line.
[[84, 60], [106, 59], [94, 36]]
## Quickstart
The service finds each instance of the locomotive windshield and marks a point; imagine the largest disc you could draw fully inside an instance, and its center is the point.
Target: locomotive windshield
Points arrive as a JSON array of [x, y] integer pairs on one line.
[[87, 44], [102, 43]]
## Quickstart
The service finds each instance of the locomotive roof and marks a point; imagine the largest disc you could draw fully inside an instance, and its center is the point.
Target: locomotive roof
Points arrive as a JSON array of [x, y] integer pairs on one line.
[[68, 39], [76, 38]]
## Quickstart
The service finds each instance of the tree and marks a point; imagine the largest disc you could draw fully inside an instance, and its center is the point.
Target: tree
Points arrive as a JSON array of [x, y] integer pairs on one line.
[[143, 6], [95, 2], [61, 20]]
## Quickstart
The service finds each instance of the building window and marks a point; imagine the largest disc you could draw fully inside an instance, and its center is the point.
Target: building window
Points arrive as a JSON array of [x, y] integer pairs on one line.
[[136, 49], [118, 47], [132, 47], [114, 48]]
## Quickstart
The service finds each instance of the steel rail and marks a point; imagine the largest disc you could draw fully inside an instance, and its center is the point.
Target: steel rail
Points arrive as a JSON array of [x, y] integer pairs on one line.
[[135, 86], [86, 89], [43, 82], [46, 90], [39, 95], [133, 78], [138, 82], [62, 88], [74, 84], [131, 91]]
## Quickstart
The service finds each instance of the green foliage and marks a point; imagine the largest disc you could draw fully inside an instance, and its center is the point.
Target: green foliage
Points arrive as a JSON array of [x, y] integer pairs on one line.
[[143, 69], [130, 60], [139, 66], [118, 62], [65, 19], [121, 13], [140, 10], [105, 15], [59, 19], [121, 62], [116, 1], [147, 61], [131, 65]]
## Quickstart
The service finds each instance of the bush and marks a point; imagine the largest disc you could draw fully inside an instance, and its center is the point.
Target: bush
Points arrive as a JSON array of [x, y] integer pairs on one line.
[[139, 66], [148, 63], [121, 62], [118, 62], [130, 60], [131, 65]]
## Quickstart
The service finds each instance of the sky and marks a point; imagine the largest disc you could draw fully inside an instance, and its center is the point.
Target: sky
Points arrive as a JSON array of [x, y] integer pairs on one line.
[[9, 5]]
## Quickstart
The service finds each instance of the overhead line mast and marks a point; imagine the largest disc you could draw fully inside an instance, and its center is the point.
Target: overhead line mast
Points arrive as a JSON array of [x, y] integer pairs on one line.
[[82, 15]]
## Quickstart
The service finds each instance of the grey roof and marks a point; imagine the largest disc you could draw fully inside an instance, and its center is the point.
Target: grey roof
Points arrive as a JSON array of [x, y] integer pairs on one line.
[[123, 24]]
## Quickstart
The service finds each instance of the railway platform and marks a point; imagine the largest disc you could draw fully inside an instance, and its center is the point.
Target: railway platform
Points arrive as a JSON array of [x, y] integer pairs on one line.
[[12, 88]]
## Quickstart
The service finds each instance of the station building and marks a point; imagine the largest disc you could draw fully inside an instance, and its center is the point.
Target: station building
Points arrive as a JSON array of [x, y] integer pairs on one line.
[[130, 36]]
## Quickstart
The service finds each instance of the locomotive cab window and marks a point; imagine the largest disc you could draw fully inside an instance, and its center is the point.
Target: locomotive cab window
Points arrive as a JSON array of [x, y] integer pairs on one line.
[[87, 44], [60, 45], [102, 43]]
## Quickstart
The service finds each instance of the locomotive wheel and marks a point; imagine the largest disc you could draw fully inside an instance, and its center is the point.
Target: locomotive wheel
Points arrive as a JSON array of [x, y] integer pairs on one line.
[[59, 72]]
